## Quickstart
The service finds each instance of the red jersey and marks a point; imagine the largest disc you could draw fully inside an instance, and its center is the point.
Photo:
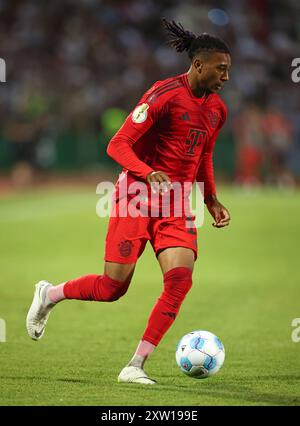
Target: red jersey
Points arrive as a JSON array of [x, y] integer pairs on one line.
[[173, 131]]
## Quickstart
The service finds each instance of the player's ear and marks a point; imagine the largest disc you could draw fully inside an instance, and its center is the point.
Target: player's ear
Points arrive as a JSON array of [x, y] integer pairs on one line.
[[198, 65]]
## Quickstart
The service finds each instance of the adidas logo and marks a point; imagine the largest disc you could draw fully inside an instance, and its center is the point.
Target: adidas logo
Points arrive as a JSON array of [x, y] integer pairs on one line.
[[170, 314], [185, 116]]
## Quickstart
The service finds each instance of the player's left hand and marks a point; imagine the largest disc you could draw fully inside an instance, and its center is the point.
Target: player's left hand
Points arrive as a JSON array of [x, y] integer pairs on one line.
[[219, 213]]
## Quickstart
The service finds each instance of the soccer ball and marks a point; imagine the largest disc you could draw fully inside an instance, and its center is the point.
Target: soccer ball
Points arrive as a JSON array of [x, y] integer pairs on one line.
[[200, 354]]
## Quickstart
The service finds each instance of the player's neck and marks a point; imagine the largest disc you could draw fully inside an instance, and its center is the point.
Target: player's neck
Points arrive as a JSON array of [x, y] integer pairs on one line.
[[198, 91]]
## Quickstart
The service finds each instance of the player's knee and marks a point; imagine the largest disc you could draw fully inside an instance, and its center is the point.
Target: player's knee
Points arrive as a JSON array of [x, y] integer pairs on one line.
[[117, 293], [177, 283], [185, 287], [112, 290]]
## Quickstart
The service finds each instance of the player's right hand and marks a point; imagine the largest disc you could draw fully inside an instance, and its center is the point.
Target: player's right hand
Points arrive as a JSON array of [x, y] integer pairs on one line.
[[159, 181]]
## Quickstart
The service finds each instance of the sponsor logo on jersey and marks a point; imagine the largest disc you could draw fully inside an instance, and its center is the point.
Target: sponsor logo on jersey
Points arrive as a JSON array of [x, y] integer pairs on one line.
[[140, 113]]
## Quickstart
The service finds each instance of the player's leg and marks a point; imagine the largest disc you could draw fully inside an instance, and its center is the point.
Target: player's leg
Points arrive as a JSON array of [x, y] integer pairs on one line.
[[177, 265], [175, 257], [175, 245], [108, 287], [105, 288], [121, 252]]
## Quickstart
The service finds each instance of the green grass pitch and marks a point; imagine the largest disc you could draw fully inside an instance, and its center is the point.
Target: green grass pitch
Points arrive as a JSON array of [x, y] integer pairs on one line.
[[246, 290]]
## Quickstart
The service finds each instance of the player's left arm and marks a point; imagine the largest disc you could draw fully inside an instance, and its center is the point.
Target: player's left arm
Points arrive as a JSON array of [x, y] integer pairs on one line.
[[205, 174], [220, 213]]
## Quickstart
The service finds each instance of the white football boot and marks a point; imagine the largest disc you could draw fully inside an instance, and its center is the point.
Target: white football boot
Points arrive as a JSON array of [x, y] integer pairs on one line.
[[39, 311], [132, 374]]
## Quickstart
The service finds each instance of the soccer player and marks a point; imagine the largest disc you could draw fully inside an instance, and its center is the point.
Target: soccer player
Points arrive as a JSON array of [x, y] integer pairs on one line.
[[169, 137]]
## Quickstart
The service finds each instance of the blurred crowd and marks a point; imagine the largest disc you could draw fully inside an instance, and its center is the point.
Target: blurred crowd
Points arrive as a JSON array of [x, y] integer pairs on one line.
[[75, 68]]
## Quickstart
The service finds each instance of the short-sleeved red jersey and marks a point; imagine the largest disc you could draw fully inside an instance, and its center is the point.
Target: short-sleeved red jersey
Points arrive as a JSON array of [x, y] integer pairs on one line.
[[173, 131]]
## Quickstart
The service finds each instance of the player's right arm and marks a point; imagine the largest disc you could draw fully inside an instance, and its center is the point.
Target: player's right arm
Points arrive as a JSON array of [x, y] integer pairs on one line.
[[141, 119]]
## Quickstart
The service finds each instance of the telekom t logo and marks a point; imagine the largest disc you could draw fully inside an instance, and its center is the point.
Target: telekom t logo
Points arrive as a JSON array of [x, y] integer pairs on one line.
[[2, 71], [194, 138], [2, 331]]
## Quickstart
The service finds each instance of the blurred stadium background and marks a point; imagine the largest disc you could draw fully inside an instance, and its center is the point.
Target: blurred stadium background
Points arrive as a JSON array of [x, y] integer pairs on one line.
[[76, 68]]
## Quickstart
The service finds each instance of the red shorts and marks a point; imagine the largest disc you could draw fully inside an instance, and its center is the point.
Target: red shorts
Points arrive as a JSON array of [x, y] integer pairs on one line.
[[127, 236]]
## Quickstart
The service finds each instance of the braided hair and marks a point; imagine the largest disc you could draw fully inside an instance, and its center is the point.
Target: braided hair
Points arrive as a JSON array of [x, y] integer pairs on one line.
[[182, 39]]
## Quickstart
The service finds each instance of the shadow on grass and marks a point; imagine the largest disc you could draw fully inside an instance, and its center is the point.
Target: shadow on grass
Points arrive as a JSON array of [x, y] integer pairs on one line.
[[242, 389], [232, 391], [48, 379]]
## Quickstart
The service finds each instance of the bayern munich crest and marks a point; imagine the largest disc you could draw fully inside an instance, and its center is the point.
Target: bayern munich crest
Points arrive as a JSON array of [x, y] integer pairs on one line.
[[213, 119], [125, 248]]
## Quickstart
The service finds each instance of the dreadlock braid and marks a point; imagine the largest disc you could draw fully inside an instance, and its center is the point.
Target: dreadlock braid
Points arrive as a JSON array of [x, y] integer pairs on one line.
[[182, 39]]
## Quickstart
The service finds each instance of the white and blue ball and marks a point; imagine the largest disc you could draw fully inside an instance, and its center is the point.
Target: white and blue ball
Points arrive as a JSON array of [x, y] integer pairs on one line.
[[200, 354]]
